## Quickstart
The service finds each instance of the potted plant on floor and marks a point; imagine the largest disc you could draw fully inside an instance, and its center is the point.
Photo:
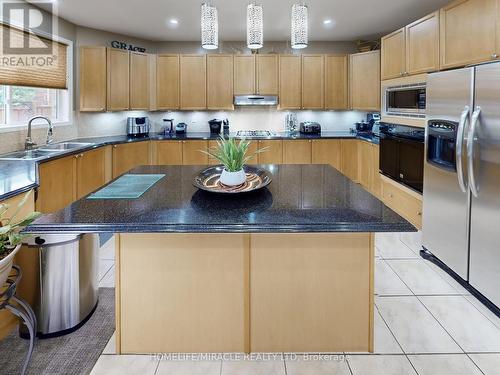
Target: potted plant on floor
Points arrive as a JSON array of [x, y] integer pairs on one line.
[[10, 236], [233, 156]]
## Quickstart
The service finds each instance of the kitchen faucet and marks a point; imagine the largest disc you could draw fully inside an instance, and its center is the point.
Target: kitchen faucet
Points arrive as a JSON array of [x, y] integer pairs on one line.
[[29, 144]]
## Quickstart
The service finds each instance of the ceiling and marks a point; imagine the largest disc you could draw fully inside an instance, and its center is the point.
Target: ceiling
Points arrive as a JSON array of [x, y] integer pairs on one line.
[[150, 19]]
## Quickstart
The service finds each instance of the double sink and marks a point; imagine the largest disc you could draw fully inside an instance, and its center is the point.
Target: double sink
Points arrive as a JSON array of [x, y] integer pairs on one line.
[[46, 151]]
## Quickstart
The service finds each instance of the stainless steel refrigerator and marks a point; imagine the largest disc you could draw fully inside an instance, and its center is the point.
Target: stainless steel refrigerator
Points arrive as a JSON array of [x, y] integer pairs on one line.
[[461, 214]]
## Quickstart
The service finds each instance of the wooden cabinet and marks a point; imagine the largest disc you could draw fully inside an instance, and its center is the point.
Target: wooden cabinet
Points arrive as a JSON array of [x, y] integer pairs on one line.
[[191, 152], [468, 32], [422, 45], [365, 81], [167, 82], [92, 79], [220, 82], [167, 152], [244, 75], [273, 153], [376, 182], [139, 81], [327, 151], [193, 82], [336, 82], [350, 159], [90, 171], [129, 155], [290, 82], [393, 54], [313, 81], [267, 74], [365, 165], [297, 152], [117, 80], [404, 201]]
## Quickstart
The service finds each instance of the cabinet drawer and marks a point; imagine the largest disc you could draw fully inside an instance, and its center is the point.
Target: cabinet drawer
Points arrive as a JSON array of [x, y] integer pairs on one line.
[[403, 202]]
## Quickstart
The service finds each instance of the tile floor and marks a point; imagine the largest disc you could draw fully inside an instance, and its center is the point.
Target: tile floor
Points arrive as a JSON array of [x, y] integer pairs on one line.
[[425, 324]]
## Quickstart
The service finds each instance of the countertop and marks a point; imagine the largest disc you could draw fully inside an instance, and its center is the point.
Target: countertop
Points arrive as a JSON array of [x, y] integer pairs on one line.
[[19, 176], [301, 198]]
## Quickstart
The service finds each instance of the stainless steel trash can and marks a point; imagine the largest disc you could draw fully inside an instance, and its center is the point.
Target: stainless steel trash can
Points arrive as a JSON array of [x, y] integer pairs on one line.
[[68, 266]]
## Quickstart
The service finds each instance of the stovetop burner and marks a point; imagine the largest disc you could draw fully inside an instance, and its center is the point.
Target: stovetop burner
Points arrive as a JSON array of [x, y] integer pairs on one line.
[[254, 133]]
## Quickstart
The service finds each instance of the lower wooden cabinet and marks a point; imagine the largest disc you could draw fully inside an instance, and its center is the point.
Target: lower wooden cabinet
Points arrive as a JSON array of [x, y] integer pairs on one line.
[[368, 172], [273, 153], [191, 152], [167, 152], [129, 155], [350, 159], [91, 171], [404, 201], [327, 151], [297, 152]]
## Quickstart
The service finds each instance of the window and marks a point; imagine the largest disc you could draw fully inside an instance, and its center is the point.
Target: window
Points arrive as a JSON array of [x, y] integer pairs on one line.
[[18, 104]]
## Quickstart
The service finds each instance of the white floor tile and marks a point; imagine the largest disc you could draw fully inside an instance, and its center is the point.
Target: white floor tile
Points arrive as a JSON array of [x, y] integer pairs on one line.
[[450, 280], [276, 367], [488, 363], [382, 239], [390, 247], [413, 240], [444, 364], [189, 368], [380, 365], [387, 282], [470, 329], [484, 310], [111, 345], [109, 279], [414, 327], [125, 365], [420, 278], [104, 266], [107, 250], [337, 366]]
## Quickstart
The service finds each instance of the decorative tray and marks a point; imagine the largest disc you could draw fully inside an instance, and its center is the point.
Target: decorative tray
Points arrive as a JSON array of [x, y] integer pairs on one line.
[[208, 180]]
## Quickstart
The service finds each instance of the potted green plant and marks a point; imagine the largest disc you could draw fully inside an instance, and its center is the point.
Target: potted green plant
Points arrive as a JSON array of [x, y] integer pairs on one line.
[[233, 155], [10, 236]]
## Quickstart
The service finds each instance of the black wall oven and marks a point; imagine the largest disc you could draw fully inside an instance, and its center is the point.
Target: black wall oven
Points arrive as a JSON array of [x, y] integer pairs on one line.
[[402, 154]]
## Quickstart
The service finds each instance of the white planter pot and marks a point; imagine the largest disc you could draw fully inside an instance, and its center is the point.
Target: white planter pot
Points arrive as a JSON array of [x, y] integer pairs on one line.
[[6, 265], [233, 178]]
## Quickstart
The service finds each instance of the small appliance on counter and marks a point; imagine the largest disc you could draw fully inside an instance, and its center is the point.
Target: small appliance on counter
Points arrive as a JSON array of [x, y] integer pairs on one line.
[[168, 129], [291, 123], [225, 129], [215, 126], [138, 126], [181, 128], [310, 127]]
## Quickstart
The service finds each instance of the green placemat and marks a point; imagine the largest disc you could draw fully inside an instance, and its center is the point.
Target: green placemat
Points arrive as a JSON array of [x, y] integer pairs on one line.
[[129, 186]]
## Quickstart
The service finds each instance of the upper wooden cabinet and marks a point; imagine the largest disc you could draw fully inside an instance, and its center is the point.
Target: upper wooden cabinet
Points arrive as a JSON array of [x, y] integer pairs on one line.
[[167, 82], [365, 81], [244, 75], [220, 82], [193, 82], [422, 45], [93, 79], [393, 54], [290, 83], [313, 81], [118, 72], [139, 81], [267, 74], [469, 32], [336, 82]]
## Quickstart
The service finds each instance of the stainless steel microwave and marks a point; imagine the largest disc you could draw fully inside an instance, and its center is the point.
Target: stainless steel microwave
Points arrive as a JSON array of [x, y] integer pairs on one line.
[[405, 100]]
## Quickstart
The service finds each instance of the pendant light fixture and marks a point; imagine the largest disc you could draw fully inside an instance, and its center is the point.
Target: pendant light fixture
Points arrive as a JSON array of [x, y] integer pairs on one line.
[[209, 26], [255, 26], [299, 26]]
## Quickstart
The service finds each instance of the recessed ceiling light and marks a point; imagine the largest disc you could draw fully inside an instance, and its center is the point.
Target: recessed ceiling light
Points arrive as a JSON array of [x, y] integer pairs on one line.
[[174, 21], [327, 22]]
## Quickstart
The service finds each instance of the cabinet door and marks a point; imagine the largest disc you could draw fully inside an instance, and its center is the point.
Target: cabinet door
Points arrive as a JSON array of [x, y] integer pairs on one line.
[[393, 54], [57, 180], [167, 84], [350, 158], [273, 153], [129, 155], [220, 82], [336, 82], [168, 153], [290, 96], [118, 80], [193, 82], [244, 74], [212, 145], [267, 74], [191, 152], [468, 29], [139, 81], [327, 151], [90, 171], [365, 81], [313, 81], [365, 164], [422, 45], [92, 79], [297, 152], [376, 183]]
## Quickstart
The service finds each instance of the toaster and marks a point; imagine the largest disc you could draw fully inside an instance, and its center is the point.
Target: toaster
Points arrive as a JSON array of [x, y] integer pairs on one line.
[[310, 127], [138, 126]]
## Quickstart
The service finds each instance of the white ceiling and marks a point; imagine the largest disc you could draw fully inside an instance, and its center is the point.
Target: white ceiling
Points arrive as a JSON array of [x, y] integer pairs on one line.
[[149, 19]]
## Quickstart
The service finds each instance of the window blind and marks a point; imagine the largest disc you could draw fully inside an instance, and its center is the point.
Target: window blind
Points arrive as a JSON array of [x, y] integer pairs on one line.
[[30, 60]]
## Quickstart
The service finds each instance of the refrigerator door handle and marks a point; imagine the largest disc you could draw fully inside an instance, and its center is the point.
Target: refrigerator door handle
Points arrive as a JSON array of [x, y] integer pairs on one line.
[[459, 147], [470, 151]]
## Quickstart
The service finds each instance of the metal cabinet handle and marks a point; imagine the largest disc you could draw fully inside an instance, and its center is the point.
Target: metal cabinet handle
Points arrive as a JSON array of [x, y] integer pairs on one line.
[[115, 146], [459, 146], [470, 152], [494, 56]]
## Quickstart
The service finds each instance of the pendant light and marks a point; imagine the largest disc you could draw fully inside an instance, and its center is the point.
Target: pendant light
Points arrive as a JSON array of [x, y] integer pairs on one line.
[[255, 26], [299, 26], [209, 26]]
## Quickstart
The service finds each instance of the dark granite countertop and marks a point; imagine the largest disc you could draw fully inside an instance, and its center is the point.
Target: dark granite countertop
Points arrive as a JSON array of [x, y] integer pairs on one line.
[[301, 198], [19, 176]]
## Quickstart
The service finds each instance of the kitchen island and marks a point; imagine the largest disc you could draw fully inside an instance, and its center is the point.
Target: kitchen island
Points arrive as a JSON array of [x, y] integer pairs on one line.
[[288, 268]]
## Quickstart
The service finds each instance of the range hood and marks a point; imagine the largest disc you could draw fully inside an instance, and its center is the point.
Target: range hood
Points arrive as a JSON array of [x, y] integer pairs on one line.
[[255, 100]]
